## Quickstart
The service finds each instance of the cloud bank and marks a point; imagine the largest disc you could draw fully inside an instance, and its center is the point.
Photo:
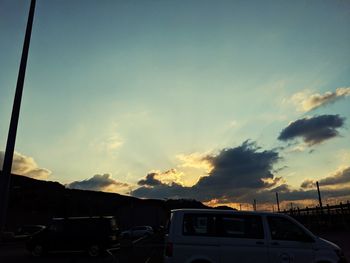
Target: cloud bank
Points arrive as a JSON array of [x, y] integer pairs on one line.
[[307, 102], [313, 130], [25, 165], [240, 175], [236, 171]]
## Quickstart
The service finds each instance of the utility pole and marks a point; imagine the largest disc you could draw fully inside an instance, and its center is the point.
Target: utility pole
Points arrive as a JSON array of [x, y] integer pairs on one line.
[[254, 205], [11, 138], [319, 195], [278, 203]]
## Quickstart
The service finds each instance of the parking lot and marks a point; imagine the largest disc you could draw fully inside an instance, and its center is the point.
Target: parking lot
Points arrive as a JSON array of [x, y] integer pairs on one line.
[[143, 250]]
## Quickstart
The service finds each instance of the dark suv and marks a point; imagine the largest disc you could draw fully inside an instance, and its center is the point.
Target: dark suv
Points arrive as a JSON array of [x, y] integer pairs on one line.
[[90, 234]]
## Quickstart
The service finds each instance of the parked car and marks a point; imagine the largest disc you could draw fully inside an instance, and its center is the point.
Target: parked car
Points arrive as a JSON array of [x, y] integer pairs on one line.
[[138, 231], [26, 231], [212, 236], [89, 234]]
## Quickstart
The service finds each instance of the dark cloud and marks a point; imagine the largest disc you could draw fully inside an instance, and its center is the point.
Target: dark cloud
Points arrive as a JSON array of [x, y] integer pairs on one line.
[[99, 182], [308, 183], [340, 177], [163, 190], [312, 194], [235, 171], [287, 194], [238, 169], [313, 130], [150, 180]]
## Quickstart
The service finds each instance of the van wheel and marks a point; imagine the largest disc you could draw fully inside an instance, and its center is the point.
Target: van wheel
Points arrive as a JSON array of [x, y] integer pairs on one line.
[[94, 251], [38, 250]]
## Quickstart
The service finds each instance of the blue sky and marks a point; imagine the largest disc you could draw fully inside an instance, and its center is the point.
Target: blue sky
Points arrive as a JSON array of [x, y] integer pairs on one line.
[[127, 88]]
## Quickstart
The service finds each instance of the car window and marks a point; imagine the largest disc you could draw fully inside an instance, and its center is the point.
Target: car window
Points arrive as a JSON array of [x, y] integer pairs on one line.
[[240, 226], [56, 227], [198, 225], [284, 229]]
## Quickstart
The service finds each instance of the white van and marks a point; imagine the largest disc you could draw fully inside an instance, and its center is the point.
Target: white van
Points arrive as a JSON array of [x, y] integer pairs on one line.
[[224, 236]]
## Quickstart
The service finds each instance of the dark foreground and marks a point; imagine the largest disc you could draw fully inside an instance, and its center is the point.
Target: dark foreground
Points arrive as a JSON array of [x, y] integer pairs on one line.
[[145, 250]]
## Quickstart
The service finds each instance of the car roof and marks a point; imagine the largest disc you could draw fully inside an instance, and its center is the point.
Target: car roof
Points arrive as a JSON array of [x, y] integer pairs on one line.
[[220, 211], [83, 217]]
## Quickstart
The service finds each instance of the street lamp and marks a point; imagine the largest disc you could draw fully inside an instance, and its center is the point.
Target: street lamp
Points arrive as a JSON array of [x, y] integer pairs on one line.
[[11, 138]]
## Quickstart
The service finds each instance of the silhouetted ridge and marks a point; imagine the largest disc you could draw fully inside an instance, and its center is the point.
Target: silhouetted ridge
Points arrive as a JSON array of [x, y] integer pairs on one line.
[[35, 201]]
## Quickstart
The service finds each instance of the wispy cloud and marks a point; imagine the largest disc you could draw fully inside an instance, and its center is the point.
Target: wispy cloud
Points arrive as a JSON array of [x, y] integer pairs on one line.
[[305, 101], [25, 165], [109, 143]]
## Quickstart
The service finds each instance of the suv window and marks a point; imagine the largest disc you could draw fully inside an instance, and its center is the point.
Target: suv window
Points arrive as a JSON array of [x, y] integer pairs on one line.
[[284, 229], [198, 225], [240, 226]]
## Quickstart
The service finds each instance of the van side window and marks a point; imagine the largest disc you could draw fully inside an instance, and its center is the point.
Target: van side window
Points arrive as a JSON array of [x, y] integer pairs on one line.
[[240, 226], [198, 225], [284, 229]]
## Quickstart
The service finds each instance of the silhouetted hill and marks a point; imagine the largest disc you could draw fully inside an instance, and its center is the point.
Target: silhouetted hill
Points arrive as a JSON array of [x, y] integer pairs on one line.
[[36, 202]]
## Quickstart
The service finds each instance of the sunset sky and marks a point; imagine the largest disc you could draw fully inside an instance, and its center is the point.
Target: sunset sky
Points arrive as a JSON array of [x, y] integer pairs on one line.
[[221, 101]]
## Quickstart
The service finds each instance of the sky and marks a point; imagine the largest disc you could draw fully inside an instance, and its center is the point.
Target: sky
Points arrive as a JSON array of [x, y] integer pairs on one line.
[[221, 101]]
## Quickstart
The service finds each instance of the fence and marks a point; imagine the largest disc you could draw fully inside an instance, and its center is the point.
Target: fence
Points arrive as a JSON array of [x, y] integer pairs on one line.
[[329, 217]]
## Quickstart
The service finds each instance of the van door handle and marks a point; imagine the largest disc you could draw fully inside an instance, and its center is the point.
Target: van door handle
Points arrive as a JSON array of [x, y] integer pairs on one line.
[[275, 243], [259, 243]]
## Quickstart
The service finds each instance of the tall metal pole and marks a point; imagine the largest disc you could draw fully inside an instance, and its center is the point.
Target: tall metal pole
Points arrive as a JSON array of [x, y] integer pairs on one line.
[[278, 202], [319, 195], [11, 139]]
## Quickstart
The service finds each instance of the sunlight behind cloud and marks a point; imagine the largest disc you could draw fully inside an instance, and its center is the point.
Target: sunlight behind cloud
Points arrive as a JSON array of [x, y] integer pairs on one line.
[[195, 160], [169, 177]]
